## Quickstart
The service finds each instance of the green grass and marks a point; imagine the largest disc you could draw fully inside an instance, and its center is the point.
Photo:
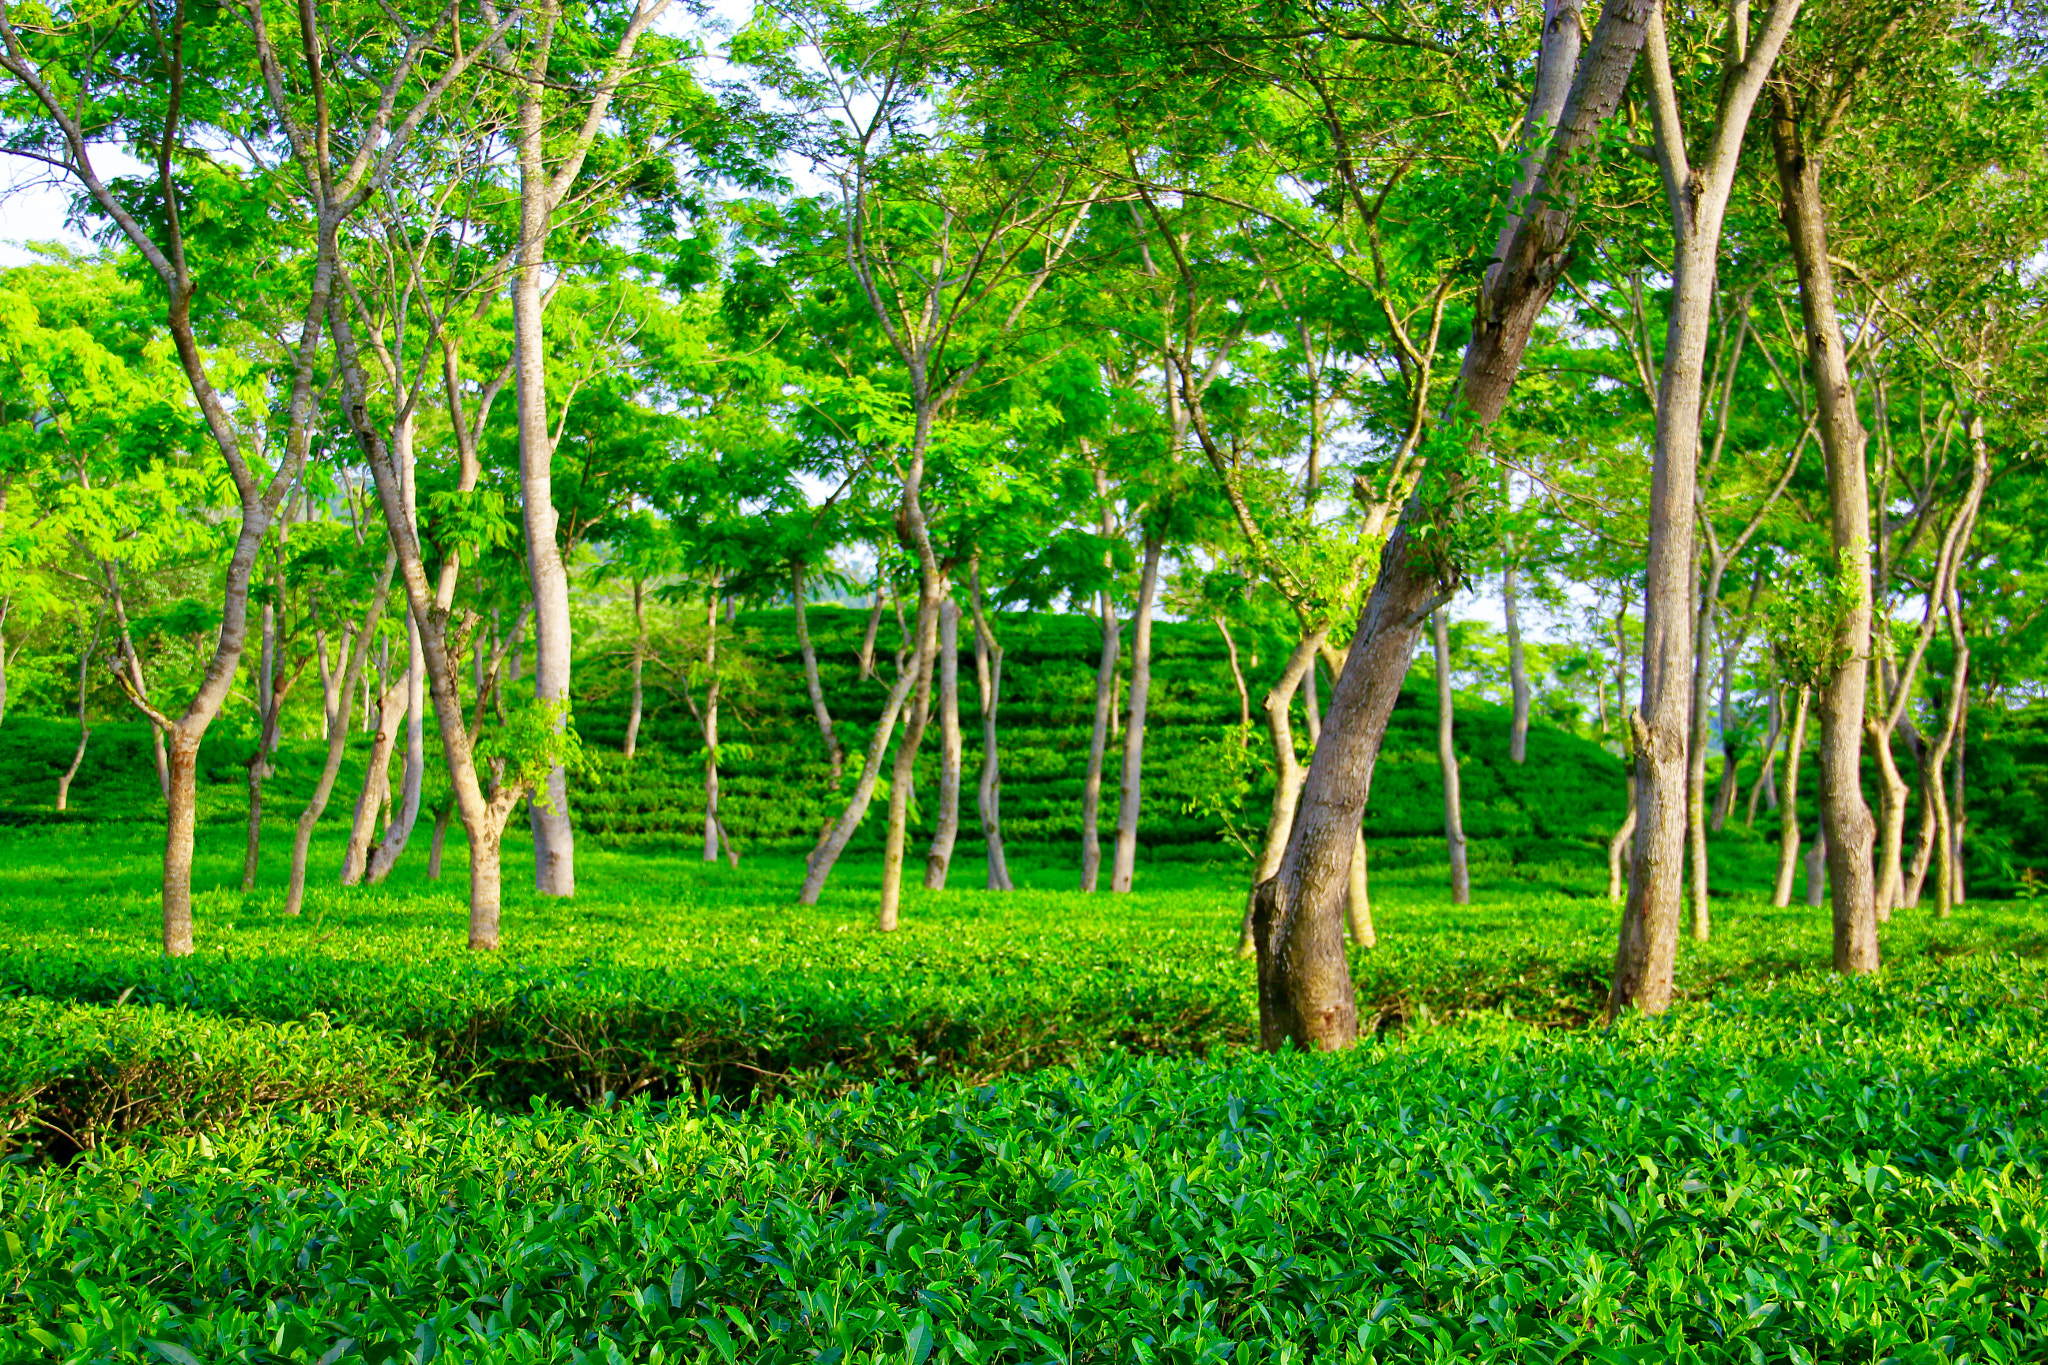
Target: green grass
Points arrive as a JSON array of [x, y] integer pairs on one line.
[[683, 1119]]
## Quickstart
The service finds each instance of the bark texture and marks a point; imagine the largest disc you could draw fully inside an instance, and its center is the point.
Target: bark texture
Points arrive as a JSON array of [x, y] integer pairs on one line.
[[1447, 764], [1132, 793], [940, 857]]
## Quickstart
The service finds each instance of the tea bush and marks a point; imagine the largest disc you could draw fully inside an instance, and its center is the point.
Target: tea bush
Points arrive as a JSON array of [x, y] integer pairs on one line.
[[1820, 1170]]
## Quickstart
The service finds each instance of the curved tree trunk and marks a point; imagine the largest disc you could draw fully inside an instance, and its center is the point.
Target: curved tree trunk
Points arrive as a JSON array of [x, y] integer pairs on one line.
[[1617, 879], [1287, 778], [923, 658], [1125, 866], [413, 772], [940, 857], [1358, 900], [1765, 788], [1788, 802], [1447, 764], [836, 836], [376, 785], [1244, 696]]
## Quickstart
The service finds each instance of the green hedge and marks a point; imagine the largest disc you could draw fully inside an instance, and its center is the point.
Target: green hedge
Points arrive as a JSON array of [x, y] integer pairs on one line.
[[76, 1077]]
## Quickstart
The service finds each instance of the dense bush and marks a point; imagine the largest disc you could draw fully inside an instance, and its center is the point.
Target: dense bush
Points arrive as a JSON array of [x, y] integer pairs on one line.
[[1822, 1171], [73, 1077]]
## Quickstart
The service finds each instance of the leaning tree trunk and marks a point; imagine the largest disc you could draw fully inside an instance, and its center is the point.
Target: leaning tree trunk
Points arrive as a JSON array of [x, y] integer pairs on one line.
[[1358, 899], [835, 752], [1518, 667], [376, 785], [1845, 817], [1098, 744], [1125, 866], [1447, 764], [1244, 696], [1788, 802], [1305, 991], [826, 854], [988, 795], [355, 654], [70, 774], [940, 858], [259, 770], [1765, 788]]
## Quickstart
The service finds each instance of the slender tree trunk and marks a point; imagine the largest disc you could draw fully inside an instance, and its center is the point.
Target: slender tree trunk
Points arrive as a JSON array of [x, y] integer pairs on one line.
[[1891, 815], [841, 831], [90, 647], [1447, 763], [1697, 199], [1244, 696], [136, 682], [1724, 800], [1125, 866], [1958, 824], [1288, 775], [1358, 899], [1765, 787], [259, 771], [712, 825], [940, 858], [70, 774], [835, 752], [903, 773], [867, 639], [376, 786], [350, 666], [1305, 991], [635, 706], [1518, 668], [1098, 744], [412, 774], [1788, 802], [1617, 880], [988, 678], [1817, 870], [1844, 816], [1696, 753]]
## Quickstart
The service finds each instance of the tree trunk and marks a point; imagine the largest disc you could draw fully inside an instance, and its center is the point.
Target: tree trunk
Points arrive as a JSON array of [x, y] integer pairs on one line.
[[834, 842], [179, 827], [1817, 867], [1098, 744], [636, 705], [1765, 788], [440, 841], [988, 678], [1288, 775], [1358, 899], [1305, 991], [350, 666], [376, 786], [65, 778], [867, 639], [940, 858], [1244, 696], [713, 827], [1696, 747], [1617, 881], [903, 773], [412, 775], [1724, 800], [278, 692], [1844, 816], [1447, 764], [1891, 821], [1518, 668], [1788, 802], [1958, 822], [835, 752], [1697, 199], [1125, 865], [91, 646]]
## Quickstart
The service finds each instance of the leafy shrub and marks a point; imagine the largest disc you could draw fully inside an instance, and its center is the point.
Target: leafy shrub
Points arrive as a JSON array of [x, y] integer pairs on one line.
[[76, 1077], [1714, 1188]]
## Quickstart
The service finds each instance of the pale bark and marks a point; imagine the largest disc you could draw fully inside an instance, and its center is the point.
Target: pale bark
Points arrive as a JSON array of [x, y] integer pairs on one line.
[[1788, 801], [413, 772], [1697, 197], [1845, 818], [1447, 764], [1244, 696], [715, 834], [376, 785], [273, 698], [85, 653], [826, 854], [1098, 743], [923, 656], [350, 666], [1617, 880], [1305, 990], [1125, 865], [440, 840], [1518, 668], [1288, 775], [988, 678], [947, 832], [1358, 899], [133, 681], [637, 700], [1765, 787], [867, 639], [835, 752], [542, 190]]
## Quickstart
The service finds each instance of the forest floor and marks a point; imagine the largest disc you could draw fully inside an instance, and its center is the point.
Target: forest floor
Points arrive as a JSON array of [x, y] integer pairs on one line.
[[683, 1119]]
